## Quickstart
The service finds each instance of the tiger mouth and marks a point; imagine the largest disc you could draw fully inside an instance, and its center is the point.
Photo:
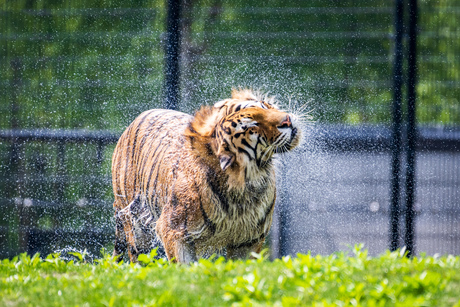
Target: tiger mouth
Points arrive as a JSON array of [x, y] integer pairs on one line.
[[288, 145], [293, 135]]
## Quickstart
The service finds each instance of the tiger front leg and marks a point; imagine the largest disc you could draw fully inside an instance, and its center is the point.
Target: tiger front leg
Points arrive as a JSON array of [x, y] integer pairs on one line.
[[185, 252], [243, 251], [177, 246], [179, 250]]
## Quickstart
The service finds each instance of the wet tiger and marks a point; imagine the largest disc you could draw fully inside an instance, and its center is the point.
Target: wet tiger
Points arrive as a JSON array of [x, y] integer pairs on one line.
[[194, 185]]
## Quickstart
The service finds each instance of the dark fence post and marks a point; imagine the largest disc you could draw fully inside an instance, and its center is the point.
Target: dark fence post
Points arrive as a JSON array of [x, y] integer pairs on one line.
[[61, 176], [411, 128], [282, 214], [396, 142], [172, 75]]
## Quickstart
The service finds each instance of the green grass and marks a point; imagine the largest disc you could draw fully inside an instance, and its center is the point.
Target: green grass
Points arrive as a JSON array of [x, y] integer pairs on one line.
[[336, 280]]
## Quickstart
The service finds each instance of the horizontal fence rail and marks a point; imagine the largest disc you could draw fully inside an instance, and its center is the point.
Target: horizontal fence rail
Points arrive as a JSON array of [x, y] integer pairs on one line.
[[341, 137], [77, 136], [332, 136]]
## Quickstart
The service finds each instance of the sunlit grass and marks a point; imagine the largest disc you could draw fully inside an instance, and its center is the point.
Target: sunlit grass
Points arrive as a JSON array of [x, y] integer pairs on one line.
[[335, 280]]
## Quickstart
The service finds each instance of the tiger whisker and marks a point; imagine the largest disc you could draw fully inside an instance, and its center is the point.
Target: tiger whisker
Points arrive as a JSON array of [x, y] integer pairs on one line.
[[302, 107], [276, 142], [268, 152]]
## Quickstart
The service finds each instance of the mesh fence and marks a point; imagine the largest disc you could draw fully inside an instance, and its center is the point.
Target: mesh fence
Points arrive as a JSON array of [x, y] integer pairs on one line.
[[96, 65]]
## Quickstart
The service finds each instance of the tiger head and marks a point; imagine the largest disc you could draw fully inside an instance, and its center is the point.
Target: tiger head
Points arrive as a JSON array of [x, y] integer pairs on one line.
[[244, 133]]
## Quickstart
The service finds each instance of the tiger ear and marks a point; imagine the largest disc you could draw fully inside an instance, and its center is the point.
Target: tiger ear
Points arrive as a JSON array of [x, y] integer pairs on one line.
[[226, 160], [202, 124]]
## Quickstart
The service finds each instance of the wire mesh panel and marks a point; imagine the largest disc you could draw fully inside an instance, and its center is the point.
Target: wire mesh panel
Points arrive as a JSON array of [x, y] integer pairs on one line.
[[336, 191], [338, 53], [438, 101], [79, 64], [438, 202], [88, 65], [339, 200], [438, 105], [56, 192]]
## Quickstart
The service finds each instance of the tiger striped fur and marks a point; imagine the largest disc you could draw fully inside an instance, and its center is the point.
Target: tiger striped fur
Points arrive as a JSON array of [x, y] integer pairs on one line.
[[193, 185]]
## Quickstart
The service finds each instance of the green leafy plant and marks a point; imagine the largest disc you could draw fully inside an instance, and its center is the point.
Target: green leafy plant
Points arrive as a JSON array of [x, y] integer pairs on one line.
[[341, 279]]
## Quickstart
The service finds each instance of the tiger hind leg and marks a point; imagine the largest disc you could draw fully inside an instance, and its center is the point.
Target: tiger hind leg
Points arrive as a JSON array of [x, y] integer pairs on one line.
[[137, 223], [120, 245]]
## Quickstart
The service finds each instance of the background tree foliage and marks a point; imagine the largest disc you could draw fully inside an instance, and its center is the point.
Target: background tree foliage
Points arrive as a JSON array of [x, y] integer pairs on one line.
[[96, 64]]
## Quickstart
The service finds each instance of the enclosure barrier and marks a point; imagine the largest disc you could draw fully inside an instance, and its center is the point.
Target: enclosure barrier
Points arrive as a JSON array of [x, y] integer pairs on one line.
[[97, 67], [20, 229]]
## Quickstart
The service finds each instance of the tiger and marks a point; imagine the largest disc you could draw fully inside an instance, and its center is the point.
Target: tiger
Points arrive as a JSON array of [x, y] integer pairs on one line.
[[194, 185]]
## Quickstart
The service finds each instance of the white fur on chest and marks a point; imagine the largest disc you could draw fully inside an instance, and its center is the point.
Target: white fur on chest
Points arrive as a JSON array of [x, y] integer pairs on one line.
[[242, 223]]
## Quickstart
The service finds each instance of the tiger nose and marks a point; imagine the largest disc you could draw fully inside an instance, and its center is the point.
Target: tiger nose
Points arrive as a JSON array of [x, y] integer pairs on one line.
[[286, 123]]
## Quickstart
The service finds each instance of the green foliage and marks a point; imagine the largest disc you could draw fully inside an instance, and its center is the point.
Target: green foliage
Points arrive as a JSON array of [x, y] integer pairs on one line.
[[97, 64], [336, 280], [78, 64]]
